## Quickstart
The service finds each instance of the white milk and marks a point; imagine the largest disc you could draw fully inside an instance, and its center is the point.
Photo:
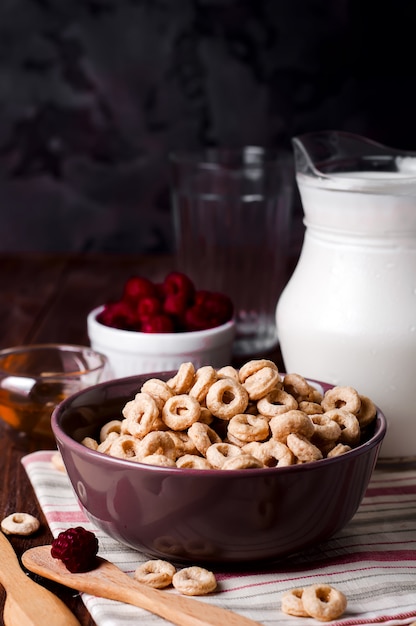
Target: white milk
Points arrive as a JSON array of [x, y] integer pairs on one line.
[[348, 314]]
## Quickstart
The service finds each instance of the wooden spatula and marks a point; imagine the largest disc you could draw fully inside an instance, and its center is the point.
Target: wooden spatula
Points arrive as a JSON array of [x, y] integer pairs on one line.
[[27, 603], [108, 581]]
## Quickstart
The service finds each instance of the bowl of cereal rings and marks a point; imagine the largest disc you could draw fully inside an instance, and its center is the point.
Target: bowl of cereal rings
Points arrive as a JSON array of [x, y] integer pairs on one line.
[[219, 465]]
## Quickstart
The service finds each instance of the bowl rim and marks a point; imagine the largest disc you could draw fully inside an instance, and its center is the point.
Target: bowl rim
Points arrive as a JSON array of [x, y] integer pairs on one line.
[[109, 461]]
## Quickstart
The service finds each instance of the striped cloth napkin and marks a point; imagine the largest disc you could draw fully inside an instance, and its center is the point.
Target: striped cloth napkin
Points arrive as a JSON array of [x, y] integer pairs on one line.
[[373, 560]]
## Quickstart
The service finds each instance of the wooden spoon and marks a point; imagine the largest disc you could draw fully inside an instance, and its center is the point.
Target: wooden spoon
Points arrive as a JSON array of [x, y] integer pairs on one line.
[[27, 603], [108, 581]]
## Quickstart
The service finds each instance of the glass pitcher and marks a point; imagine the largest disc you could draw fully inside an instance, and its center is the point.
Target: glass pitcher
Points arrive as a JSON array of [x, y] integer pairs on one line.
[[348, 314]]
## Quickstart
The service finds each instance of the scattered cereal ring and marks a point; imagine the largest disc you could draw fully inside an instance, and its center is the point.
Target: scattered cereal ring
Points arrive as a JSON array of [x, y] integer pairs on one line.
[[350, 426], [204, 377], [205, 417], [276, 402], [325, 429], [158, 389], [125, 447], [180, 412], [310, 408], [340, 448], [90, 443], [114, 426], [155, 573], [226, 398], [253, 366], [294, 421], [242, 461], [183, 443], [183, 379], [298, 386], [20, 524], [142, 414], [194, 581], [248, 427], [367, 411], [303, 449], [218, 453], [292, 603], [203, 436], [228, 371], [156, 459], [271, 453], [264, 377], [157, 442], [323, 602], [105, 446], [346, 398], [193, 461]]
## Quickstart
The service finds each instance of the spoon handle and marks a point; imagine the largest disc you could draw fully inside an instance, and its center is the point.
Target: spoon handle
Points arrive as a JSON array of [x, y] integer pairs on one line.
[[108, 581], [27, 603]]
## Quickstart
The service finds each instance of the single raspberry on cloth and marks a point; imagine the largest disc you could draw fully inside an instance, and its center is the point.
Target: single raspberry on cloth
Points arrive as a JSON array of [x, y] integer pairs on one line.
[[77, 548]]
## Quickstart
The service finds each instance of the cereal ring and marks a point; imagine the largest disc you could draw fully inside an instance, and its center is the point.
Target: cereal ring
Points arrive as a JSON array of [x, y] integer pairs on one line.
[[218, 453], [350, 427], [340, 448], [226, 398], [367, 411], [248, 427], [194, 581], [323, 602], [204, 377], [229, 438], [302, 448], [21, 524], [298, 387], [90, 443], [228, 371], [242, 461], [203, 436], [141, 414], [276, 402], [261, 382], [346, 398], [159, 442], [105, 445], [183, 379], [291, 422], [114, 426], [253, 366], [310, 408], [156, 459], [292, 603], [183, 443], [271, 453], [155, 573], [158, 389], [125, 447], [193, 461], [325, 429], [205, 417], [180, 412]]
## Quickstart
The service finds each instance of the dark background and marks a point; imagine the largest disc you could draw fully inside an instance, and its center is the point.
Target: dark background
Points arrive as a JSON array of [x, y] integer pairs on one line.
[[95, 93]]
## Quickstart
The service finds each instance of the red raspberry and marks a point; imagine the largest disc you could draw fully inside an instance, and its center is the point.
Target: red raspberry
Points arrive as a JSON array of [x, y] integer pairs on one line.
[[148, 307], [178, 283], [158, 324], [176, 304], [77, 548], [117, 315], [210, 309], [138, 287]]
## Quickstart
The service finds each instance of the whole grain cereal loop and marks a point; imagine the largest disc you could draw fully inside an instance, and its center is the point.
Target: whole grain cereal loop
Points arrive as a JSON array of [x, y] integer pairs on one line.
[[310, 408], [340, 448], [22, 524], [271, 453], [193, 461], [292, 603], [113, 426], [125, 447], [141, 415], [205, 376], [155, 573], [253, 366], [156, 459], [303, 449], [105, 445], [226, 398], [277, 401], [205, 417], [248, 427], [183, 379], [194, 581], [338, 397], [218, 453], [203, 436], [350, 426], [294, 421], [298, 386], [242, 461], [180, 412], [157, 442], [90, 443], [158, 389], [367, 411], [183, 443], [261, 382], [228, 371], [323, 602], [229, 438], [325, 429]]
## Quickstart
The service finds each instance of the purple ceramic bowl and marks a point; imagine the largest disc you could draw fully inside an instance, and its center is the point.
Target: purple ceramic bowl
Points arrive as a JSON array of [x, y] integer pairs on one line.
[[206, 516]]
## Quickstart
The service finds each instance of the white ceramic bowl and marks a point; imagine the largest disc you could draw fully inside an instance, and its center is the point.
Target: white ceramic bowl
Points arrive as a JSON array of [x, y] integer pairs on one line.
[[131, 353]]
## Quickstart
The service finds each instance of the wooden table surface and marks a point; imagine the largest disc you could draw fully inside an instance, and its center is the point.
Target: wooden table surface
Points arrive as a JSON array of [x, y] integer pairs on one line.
[[45, 299]]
